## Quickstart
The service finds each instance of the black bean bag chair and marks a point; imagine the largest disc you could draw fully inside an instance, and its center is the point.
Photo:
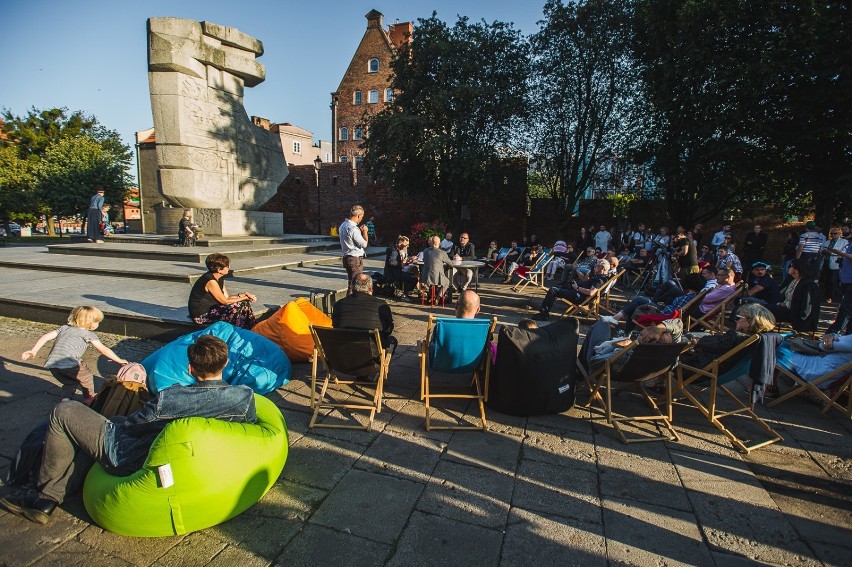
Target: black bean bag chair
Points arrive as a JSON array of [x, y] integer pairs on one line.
[[536, 370]]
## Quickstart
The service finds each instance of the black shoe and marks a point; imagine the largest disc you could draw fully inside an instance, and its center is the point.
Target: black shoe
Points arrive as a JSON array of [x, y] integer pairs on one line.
[[29, 505], [542, 317]]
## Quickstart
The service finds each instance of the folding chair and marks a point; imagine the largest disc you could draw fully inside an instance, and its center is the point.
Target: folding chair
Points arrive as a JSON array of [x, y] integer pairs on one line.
[[456, 346], [535, 275], [351, 352], [713, 320], [500, 266], [590, 307], [709, 377], [499, 261], [605, 293], [646, 362], [841, 377]]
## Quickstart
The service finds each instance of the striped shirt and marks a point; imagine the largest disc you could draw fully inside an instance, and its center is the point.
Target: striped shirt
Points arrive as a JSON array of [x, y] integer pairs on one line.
[[811, 242], [68, 348]]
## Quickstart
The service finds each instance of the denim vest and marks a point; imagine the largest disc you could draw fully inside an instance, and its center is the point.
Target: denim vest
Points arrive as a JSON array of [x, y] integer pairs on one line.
[[127, 440]]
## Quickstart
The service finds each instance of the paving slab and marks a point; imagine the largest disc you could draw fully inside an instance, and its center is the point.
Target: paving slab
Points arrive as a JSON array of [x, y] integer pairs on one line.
[[403, 456], [369, 505], [567, 492], [321, 462], [318, 545], [430, 540], [542, 539]]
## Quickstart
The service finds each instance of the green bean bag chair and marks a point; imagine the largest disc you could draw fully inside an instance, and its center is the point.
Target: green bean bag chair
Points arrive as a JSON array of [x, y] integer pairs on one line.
[[219, 468]]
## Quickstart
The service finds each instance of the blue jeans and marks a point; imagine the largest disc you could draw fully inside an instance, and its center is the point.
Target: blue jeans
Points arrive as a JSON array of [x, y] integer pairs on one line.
[[630, 309]]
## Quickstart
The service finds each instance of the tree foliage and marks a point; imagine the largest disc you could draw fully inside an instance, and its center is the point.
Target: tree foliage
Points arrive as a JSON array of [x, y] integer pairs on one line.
[[69, 172], [461, 90], [747, 102], [582, 91]]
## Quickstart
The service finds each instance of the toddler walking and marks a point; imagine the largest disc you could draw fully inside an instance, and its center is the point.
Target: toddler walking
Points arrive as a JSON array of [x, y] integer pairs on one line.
[[65, 360]]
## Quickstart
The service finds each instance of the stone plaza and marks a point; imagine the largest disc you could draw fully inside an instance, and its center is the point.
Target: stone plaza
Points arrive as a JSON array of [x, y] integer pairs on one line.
[[547, 490]]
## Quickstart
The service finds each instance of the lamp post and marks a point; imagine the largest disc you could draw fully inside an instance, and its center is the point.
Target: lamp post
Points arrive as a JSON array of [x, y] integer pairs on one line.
[[317, 167]]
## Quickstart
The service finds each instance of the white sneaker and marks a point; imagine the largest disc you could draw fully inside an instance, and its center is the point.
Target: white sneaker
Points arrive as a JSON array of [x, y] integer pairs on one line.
[[609, 319]]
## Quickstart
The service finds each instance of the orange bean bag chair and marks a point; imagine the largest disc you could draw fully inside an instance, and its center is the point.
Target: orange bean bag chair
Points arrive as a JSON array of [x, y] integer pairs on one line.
[[290, 328]]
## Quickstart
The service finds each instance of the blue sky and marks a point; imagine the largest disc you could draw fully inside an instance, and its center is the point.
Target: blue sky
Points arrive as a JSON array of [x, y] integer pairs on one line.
[[91, 55]]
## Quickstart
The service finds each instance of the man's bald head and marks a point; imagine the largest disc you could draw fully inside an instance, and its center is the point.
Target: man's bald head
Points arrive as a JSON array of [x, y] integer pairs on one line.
[[468, 305]]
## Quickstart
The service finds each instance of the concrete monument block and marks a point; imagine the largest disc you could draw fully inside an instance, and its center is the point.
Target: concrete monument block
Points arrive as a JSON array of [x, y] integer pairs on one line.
[[209, 154]]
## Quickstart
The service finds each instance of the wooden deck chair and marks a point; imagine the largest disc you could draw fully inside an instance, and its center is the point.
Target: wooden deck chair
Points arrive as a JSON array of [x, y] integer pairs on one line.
[[456, 347], [714, 320], [354, 353], [605, 294], [691, 379], [646, 362], [499, 261], [590, 307], [634, 277], [500, 265], [842, 377], [535, 275]]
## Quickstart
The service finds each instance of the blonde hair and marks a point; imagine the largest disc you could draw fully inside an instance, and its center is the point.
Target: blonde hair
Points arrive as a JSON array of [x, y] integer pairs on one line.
[[762, 320], [85, 317]]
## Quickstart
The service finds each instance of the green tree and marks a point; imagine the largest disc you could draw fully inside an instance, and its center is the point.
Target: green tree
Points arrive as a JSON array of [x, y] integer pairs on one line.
[[28, 139], [461, 92], [747, 102], [71, 169], [16, 181], [583, 88]]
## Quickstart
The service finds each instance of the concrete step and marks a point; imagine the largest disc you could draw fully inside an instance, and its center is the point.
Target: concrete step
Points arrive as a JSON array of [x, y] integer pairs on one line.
[[182, 254], [220, 241], [166, 267]]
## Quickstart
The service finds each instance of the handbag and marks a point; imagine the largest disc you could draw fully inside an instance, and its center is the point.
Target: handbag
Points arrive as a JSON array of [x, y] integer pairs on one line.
[[805, 346]]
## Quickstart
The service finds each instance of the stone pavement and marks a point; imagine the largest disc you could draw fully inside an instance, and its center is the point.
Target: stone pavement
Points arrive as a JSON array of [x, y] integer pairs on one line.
[[550, 490]]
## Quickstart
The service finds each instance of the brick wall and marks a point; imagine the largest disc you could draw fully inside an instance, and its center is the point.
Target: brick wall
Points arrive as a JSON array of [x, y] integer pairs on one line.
[[304, 205]]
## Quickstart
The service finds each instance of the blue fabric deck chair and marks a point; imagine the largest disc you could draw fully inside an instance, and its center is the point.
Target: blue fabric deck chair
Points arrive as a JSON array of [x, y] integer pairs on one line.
[[352, 357], [455, 347], [826, 389], [535, 275], [691, 380], [500, 266], [497, 263]]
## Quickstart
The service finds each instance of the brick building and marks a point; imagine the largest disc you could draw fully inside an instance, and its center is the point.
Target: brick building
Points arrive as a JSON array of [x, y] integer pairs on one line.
[[365, 87]]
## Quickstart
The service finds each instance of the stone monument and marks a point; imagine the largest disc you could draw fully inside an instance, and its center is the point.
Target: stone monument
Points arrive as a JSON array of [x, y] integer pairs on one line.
[[210, 156]]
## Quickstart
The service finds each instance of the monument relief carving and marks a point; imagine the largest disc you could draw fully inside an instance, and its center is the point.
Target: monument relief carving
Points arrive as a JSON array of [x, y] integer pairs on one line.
[[209, 154]]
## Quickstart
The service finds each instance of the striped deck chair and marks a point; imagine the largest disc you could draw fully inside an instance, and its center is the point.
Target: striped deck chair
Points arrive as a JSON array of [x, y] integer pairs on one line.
[[535, 275], [690, 380]]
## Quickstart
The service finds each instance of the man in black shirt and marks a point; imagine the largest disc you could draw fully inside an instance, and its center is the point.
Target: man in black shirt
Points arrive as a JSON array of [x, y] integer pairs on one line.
[[463, 251], [363, 311], [686, 252], [578, 291], [754, 246]]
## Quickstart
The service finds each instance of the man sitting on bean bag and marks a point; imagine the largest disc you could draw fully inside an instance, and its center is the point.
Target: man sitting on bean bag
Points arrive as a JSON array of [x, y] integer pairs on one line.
[[78, 436]]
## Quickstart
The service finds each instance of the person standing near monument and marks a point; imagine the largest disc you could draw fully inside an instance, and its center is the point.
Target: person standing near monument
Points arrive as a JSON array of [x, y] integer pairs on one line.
[[94, 216], [353, 244]]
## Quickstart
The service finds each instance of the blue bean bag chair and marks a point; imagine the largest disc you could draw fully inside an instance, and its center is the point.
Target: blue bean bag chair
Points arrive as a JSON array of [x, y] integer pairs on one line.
[[219, 469], [253, 361]]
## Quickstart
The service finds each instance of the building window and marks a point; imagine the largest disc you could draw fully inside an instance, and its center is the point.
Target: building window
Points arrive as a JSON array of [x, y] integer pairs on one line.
[[358, 160], [358, 98], [373, 66], [343, 159], [358, 133], [344, 133], [388, 95], [297, 147], [374, 96]]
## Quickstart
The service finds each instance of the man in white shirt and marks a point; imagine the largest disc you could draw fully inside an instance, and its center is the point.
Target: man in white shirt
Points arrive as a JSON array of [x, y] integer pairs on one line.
[[602, 239], [447, 243], [831, 268], [353, 243]]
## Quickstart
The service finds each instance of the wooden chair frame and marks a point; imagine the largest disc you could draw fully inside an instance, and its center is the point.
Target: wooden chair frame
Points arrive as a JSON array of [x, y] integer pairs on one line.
[[828, 402], [713, 320], [590, 307], [602, 378], [500, 267], [689, 376], [373, 404], [535, 275], [480, 387]]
